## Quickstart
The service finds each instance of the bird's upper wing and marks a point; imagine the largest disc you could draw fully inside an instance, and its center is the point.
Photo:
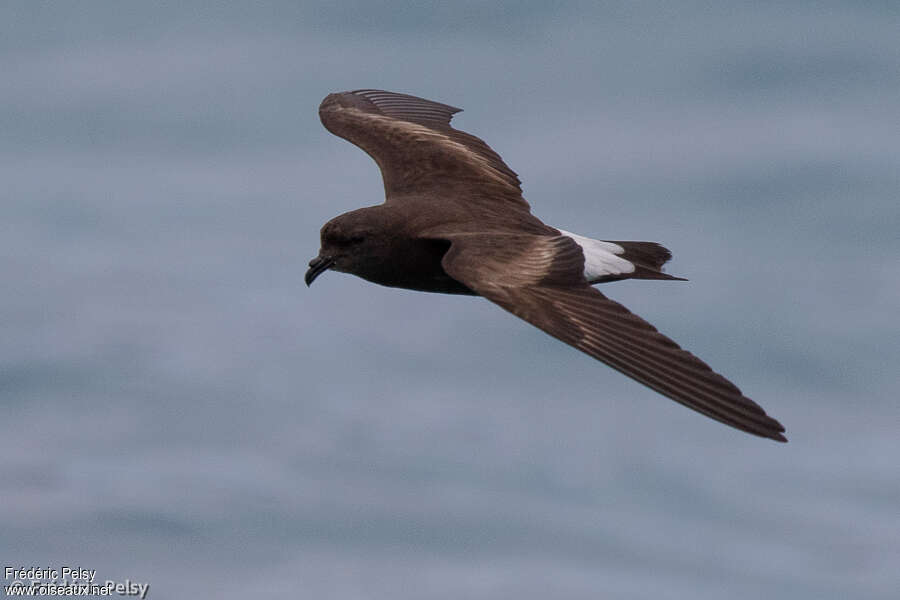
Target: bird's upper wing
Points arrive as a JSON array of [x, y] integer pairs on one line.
[[539, 279], [418, 151]]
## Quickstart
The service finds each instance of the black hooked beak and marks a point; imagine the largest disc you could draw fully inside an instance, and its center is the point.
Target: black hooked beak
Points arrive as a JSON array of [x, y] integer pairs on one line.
[[317, 266]]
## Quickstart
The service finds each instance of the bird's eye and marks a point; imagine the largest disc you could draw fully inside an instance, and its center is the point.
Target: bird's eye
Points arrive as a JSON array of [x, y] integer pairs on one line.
[[354, 239]]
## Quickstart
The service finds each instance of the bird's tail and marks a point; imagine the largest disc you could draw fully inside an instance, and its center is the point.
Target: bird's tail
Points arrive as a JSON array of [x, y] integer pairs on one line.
[[648, 259], [612, 261]]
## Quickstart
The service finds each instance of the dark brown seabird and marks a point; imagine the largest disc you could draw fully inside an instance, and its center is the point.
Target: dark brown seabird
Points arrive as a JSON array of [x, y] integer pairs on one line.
[[454, 221]]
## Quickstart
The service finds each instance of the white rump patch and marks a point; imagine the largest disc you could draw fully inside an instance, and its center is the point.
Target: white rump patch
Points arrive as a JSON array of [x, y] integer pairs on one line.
[[601, 259]]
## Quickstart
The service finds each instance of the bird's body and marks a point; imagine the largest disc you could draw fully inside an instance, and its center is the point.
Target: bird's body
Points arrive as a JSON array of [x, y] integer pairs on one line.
[[455, 221]]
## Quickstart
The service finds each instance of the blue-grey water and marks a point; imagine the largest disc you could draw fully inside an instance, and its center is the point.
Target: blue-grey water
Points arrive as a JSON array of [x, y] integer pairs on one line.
[[179, 409]]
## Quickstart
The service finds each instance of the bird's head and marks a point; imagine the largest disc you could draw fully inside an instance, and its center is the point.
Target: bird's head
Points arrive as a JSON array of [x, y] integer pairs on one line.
[[349, 242]]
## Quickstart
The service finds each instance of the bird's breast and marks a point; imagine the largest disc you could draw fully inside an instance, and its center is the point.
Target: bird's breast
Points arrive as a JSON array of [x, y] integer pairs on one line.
[[413, 264]]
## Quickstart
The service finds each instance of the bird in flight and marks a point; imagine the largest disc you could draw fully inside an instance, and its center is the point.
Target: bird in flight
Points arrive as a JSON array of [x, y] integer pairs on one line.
[[454, 221]]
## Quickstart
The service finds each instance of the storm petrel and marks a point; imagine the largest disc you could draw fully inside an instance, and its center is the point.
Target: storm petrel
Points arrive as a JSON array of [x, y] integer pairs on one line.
[[454, 221]]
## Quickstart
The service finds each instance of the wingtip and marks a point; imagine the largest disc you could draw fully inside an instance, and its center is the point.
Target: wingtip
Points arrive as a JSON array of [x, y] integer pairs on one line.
[[776, 433]]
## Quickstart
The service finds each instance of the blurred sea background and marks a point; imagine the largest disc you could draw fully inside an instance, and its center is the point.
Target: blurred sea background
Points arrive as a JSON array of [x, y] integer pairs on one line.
[[179, 409]]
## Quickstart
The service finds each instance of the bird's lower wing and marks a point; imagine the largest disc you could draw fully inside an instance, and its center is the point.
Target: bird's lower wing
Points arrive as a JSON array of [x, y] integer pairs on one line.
[[581, 316]]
